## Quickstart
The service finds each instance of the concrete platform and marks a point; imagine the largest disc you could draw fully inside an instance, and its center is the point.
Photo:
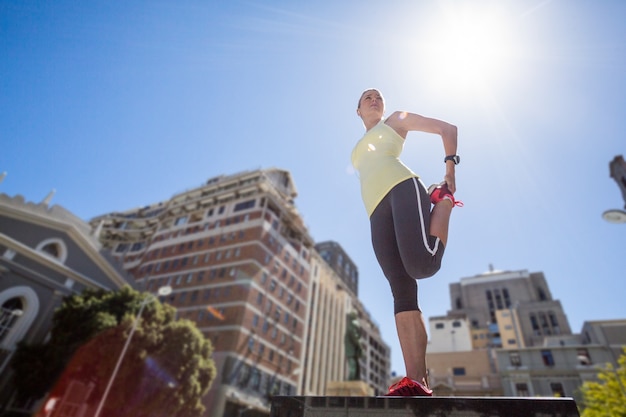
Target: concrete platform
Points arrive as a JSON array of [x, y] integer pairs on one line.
[[297, 406]]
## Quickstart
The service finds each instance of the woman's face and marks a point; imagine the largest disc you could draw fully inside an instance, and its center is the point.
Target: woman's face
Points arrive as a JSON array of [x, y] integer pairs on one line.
[[371, 103]]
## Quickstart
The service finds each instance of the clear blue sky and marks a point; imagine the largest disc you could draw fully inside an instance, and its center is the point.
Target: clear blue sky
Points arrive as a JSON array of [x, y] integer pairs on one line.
[[122, 104]]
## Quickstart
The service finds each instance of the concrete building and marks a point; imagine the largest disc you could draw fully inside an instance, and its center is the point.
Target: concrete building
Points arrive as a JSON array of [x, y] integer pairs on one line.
[[340, 262], [329, 305], [463, 373], [46, 253], [334, 286], [563, 363], [506, 335], [237, 255], [532, 312], [376, 360], [497, 309], [243, 266]]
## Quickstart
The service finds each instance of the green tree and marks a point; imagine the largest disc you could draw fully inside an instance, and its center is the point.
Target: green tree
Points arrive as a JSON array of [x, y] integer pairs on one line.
[[606, 398], [166, 370]]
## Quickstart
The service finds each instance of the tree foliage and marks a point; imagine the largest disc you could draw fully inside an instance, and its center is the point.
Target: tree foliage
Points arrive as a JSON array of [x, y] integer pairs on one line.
[[166, 370], [606, 398]]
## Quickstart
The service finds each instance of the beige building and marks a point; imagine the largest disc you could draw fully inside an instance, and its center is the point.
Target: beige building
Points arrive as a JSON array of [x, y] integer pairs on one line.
[[466, 373], [562, 363], [329, 305], [506, 335], [340, 279]]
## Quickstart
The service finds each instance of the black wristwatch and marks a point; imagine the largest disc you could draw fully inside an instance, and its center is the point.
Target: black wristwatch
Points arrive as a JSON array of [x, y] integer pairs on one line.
[[454, 158]]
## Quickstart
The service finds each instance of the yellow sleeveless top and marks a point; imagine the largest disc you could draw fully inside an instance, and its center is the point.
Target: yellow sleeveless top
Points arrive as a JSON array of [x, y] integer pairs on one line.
[[376, 157]]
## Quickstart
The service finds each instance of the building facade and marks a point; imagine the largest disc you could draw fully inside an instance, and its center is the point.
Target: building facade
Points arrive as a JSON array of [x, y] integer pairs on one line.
[[46, 254], [237, 255], [506, 335], [340, 262], [243, 266], [563, 363], [532, 312], [341, 280]]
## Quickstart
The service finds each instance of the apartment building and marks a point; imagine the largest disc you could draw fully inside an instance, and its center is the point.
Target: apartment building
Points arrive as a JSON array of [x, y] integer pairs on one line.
[[329, 305], [237, 255], [506, 335], [244, 268], [341, 264], [376, 360], [562, 363], [375, 363]]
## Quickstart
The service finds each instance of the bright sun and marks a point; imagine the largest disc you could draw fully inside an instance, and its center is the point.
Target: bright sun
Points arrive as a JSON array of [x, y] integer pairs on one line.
[[468, 47]]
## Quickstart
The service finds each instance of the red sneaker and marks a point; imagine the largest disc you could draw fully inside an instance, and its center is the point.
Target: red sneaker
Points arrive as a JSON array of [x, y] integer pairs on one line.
[[440, 192], [406, 387]]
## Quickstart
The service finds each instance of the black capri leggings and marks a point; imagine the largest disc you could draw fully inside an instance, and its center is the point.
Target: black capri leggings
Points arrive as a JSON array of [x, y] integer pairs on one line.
[[404, 248]]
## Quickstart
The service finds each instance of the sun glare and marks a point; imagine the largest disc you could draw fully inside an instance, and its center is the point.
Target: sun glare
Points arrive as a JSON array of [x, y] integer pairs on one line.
[[468, 47]]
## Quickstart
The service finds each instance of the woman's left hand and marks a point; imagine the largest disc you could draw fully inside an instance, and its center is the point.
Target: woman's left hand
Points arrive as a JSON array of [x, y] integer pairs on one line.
[[450, 180]]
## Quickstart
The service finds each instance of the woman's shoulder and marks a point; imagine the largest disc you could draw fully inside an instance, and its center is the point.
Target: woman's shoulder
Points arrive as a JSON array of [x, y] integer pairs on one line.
[[398, 122]]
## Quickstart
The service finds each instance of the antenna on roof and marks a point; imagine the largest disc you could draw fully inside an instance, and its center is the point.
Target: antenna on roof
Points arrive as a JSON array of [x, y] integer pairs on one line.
[[46, 200]]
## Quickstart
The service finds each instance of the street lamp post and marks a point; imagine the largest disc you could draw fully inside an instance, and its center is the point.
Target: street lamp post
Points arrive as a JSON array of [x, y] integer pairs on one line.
[[148, 299]]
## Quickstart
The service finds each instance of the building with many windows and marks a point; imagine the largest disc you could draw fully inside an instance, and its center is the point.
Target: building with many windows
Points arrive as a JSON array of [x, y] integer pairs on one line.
[[340, 262], [244, 268], [506, 335], [562, 363], [335, 283]]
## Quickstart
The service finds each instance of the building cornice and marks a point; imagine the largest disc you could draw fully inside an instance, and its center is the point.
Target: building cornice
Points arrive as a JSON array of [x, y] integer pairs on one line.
[[58, 218]]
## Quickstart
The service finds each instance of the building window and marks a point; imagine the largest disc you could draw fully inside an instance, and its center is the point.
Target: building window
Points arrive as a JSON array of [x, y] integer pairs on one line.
[[498, 299], [137, 246], [541, 294], [180, 220], [54, 248], [522, 390], [507, 298], [456, 324], [458, 371], [515, 359], [244, 205], [557, 389], [548, 359], [583, 356], [120, 248], [10, 311], [439, 326], [535, 325], [554, 323]]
